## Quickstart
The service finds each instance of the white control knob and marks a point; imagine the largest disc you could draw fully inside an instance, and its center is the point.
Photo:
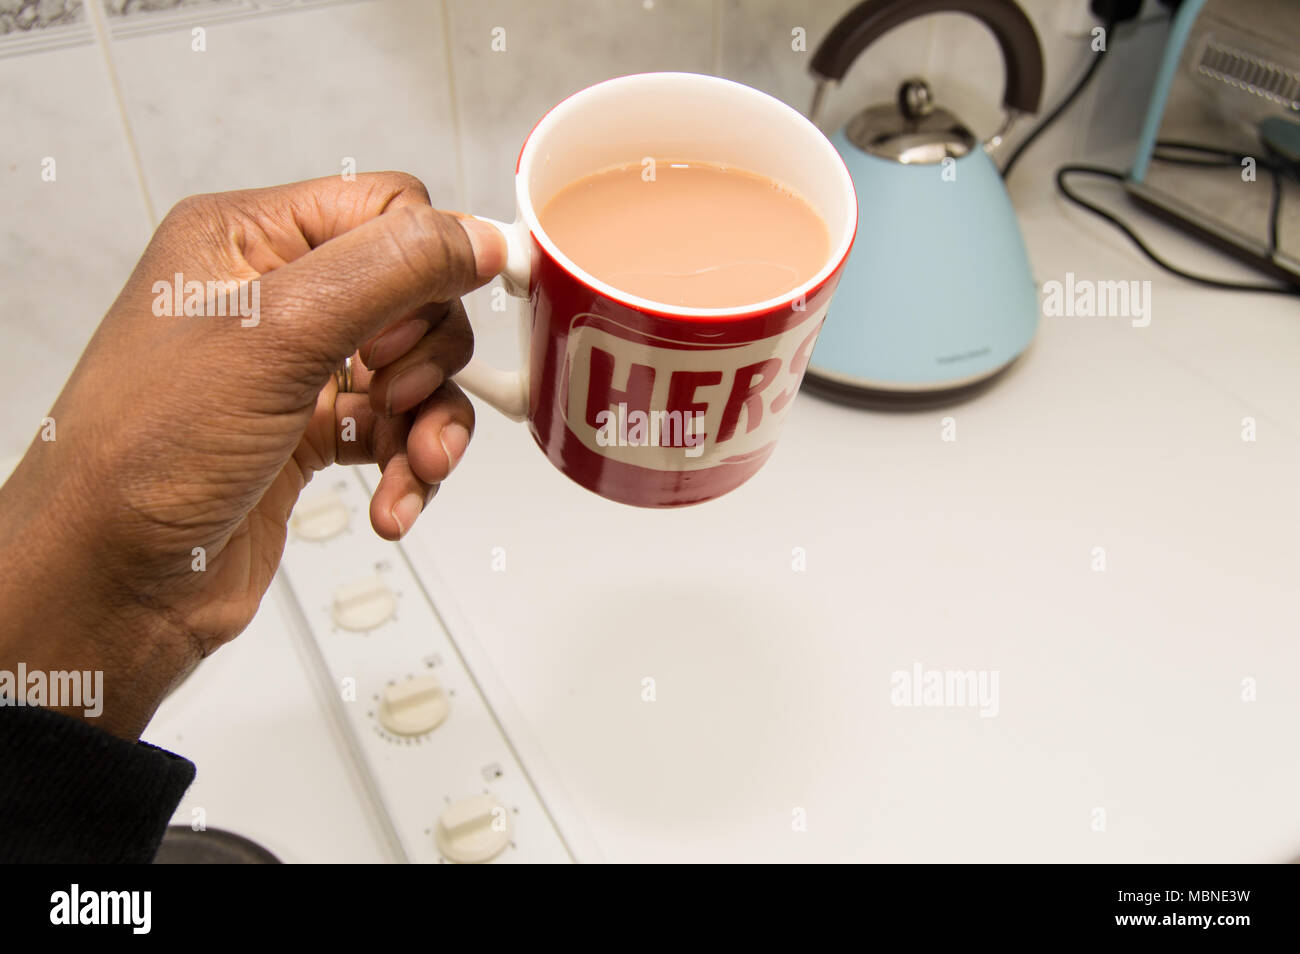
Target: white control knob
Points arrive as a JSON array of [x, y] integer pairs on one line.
[[363, 605], [320, 516], [473, 830], [414, 706]]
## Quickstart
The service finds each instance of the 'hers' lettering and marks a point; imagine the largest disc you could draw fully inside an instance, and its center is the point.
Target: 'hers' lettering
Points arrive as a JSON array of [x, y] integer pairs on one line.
[[749, 387]]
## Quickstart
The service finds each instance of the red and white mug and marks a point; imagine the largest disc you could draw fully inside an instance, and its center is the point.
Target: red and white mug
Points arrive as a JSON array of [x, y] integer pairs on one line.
[[641, 402]]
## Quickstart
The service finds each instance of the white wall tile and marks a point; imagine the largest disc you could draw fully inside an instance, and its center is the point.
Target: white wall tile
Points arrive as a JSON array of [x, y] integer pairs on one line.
[[66, 246], [967, 64], [755, 44], [1111, 119], [286, 97], [551, 50]]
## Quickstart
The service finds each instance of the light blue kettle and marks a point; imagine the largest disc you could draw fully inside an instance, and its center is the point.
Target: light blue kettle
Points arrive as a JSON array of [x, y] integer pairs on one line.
[[937, 298]]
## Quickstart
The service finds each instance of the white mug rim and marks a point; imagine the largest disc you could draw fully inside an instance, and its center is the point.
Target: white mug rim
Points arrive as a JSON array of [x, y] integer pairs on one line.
[[840, 244]]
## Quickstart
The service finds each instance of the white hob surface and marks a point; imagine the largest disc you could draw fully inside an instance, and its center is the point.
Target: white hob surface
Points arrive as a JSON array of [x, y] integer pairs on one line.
[[678, 690]]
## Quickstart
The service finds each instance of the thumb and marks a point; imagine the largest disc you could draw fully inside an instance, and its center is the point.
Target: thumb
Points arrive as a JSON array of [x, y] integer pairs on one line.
[[318, 309]]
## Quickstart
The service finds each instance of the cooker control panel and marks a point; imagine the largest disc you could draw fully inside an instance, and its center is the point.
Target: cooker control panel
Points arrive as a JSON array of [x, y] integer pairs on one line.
[[430, 749]]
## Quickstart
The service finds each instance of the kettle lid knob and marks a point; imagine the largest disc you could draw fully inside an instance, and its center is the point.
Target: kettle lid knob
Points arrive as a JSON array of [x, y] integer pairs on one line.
[[912, 130], [915, 100]]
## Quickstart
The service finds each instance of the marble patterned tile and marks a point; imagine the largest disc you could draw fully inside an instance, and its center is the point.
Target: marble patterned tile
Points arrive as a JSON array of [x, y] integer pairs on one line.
[[137, 17], [551, 50], [29, 26], [281, 98], [126, 8], [21, 16], [66, 245]]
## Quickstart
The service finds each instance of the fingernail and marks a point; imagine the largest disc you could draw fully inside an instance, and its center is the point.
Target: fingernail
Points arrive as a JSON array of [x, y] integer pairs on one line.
[[455, 438], [406, 510], [395, 342], [412, 386], [489, 246]]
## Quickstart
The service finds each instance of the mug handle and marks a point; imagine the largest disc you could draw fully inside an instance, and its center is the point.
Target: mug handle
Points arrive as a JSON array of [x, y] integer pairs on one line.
[[507, 391]]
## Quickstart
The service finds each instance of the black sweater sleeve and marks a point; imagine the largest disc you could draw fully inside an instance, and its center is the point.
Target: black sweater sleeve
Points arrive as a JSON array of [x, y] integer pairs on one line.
[[70, 792]]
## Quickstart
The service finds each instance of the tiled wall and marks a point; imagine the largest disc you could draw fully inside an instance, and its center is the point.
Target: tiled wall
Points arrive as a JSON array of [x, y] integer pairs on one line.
[[135, 117]]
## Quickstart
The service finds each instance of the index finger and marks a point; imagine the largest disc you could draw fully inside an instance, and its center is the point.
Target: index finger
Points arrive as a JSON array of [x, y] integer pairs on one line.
[[280, 224]]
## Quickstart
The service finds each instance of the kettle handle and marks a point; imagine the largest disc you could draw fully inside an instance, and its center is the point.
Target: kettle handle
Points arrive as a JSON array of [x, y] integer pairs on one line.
[[871, 19]]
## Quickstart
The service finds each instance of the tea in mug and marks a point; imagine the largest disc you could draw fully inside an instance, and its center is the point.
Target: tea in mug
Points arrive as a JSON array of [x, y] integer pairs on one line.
[[687, 233]]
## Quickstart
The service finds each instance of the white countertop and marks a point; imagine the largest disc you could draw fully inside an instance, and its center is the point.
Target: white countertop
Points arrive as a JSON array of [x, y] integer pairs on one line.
[[1119, 690]]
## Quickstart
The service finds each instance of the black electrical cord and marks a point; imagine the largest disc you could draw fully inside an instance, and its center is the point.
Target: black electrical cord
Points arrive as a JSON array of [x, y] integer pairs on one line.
[[1220, 157], [1061, 107], [1274, 213], [1114, 220], [1227, 157]]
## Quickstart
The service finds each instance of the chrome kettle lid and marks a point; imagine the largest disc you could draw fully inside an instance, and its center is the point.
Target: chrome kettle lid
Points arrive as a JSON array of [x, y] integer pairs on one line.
[[912, 130]]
